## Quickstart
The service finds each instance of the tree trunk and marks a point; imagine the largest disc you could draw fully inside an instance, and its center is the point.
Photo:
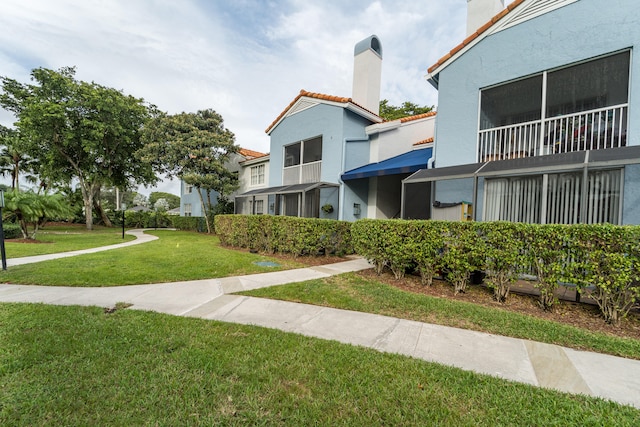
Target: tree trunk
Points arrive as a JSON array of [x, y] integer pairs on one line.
[[97, 205], [87, 201], [204, 210]]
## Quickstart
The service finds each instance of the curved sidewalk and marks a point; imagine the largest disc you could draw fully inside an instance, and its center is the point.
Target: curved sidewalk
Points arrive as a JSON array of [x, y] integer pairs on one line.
[[139, 234], [529, 362]]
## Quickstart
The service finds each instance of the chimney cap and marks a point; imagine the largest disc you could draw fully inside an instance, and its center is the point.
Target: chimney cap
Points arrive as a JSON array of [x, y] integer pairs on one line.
[[370, 43]]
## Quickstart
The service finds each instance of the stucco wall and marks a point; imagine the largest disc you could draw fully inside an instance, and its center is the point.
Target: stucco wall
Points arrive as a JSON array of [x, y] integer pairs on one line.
[[581, 30]]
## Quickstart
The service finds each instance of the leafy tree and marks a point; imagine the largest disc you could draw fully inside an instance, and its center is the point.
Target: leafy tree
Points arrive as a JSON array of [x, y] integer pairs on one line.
[[140, 200], [172, 199], [32, 209], [79, 131], [193, 147], [161, 205], [13, 160], [392, 112]]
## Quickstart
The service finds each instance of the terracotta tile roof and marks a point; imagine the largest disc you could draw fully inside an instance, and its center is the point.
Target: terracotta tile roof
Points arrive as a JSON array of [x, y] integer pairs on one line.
[[250, 154], [475, 35], [424, 141], [417, 117], [321, 96]]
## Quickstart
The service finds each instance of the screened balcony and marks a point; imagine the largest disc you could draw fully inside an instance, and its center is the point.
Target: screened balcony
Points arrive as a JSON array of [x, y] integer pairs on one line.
[[579, 107]]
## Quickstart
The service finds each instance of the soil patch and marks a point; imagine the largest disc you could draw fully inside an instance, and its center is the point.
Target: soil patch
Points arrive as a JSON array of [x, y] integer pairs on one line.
[[582, 315], [25, 241]]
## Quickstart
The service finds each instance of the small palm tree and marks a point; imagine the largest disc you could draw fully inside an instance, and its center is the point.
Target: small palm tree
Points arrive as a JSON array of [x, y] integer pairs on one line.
[[13, 161], [32, 209]]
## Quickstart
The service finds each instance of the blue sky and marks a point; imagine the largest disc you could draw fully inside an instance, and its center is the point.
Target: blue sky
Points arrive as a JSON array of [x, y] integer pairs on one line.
[[246, 59]]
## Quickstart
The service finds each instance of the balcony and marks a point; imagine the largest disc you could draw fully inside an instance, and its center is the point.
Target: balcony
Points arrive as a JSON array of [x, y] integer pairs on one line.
[[588, 130], [302, 174]]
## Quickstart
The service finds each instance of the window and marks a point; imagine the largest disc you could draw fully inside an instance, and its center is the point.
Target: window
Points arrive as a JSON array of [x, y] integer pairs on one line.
[[259, 207], [292, 154], [555, 198], [310, 151], [188, 188], [187, 209], [580, 107], [257, 175]]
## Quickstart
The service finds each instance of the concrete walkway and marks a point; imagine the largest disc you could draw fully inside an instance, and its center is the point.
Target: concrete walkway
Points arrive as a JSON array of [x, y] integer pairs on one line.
[[139, 234], [529, 362]]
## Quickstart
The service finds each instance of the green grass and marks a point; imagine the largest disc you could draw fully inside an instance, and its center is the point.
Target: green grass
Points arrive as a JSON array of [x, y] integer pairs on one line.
[[176, 256], [353, 292], [64, 239], [80, 366]]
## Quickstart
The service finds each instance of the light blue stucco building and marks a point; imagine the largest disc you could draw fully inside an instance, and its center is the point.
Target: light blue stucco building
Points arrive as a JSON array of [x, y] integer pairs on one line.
[[537, 115], [319, 143]]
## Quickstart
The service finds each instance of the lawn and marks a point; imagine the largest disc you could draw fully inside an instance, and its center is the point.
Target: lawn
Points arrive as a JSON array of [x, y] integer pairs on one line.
[[81, 366], [55, 239], [176, 256], [353, 292]]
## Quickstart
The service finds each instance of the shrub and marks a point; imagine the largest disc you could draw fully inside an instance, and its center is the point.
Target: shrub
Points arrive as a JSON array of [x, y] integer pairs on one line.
[[370, 241], [607, 267], [548, 255], [426, 245], [462, 254], [281, 234], [503, 253], [188, 223], [11, 230]]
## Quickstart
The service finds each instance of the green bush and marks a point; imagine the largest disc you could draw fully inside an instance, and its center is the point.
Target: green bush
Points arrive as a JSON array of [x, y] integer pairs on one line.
[[11, 230], [149, 219], [606, 267], [187, 223], [547, 255], [503, 249], [282, 234]]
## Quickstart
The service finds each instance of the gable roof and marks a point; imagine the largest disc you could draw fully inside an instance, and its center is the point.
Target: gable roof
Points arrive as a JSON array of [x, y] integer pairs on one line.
[[306, 99], [517, 12], [416, 117], [250, 154]]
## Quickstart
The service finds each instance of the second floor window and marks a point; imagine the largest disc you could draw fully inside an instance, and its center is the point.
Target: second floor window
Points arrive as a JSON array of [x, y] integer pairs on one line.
[[257, 175], [308, 151], [188, 188]]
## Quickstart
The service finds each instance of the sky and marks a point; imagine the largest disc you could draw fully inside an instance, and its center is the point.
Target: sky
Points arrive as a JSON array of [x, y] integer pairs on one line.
[[246, 59]]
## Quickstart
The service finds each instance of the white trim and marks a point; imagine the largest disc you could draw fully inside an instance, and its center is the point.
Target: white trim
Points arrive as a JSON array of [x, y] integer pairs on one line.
[[535, 9], [524, 12]]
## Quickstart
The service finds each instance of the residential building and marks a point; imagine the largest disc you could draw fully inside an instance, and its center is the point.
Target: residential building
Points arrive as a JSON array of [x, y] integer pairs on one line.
[[254, 177], [334, 157], [190, 203], [535, 118]]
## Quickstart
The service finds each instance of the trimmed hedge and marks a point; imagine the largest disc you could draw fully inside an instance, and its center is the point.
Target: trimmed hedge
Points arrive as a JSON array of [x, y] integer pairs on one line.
[[188, 223], [283, 234], [602, 261]]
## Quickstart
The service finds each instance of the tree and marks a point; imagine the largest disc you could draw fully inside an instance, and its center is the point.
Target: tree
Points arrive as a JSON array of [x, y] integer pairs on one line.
[[31, 209], [79, 131], [172, 199], [13, 160], [193, 147], [161, 205], [391, 112], [140, 200]]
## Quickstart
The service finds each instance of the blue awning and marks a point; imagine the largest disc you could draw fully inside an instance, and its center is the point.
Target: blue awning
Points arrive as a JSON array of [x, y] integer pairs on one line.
[[404, 163]]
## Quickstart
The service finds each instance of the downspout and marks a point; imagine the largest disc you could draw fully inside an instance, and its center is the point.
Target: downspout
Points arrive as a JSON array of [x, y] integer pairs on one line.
[[341, 206]]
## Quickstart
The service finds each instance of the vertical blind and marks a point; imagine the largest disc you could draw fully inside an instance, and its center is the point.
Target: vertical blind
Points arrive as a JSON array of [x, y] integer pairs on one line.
[[519, 199]]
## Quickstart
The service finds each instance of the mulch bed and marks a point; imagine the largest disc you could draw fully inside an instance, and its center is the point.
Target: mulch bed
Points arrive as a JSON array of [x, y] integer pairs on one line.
[[582, 315]]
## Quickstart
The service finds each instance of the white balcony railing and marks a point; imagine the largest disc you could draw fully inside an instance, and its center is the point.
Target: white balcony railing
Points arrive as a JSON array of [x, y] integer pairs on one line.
[[302, 174], [589, 130]]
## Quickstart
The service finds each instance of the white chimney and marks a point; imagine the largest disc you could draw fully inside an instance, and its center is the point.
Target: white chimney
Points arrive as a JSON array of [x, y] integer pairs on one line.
[[367, 73], [479, 12]]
